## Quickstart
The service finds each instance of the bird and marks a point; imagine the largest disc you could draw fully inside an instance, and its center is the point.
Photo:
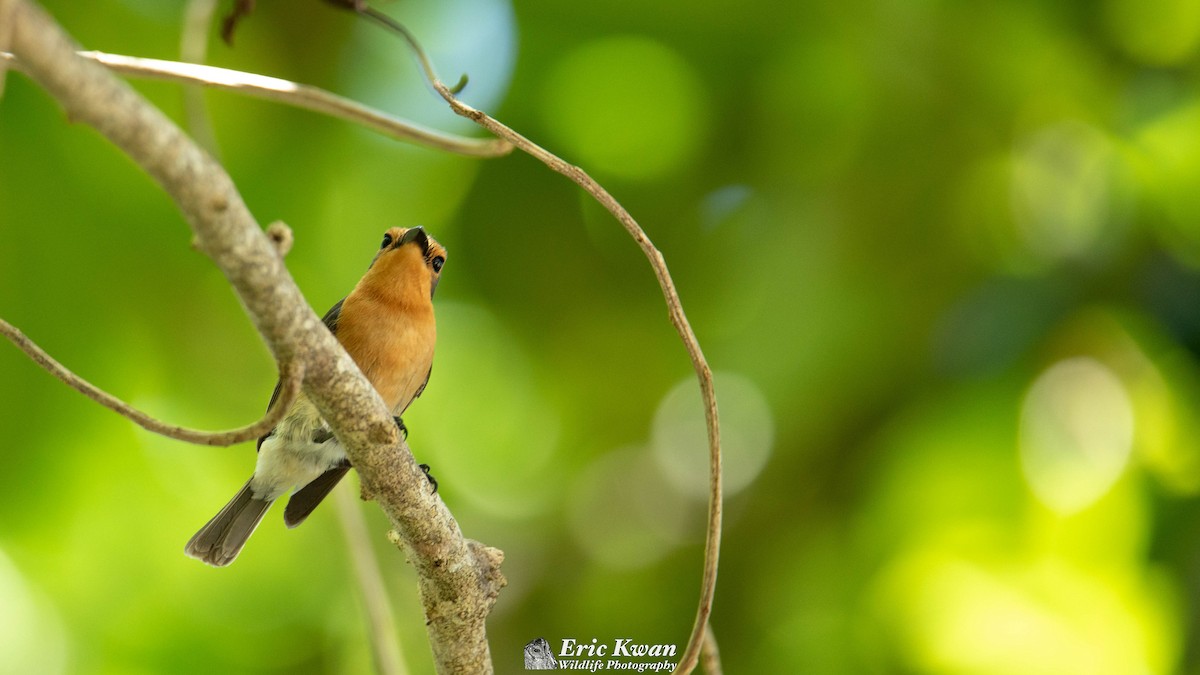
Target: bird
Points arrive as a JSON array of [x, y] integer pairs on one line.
[[386, 324]]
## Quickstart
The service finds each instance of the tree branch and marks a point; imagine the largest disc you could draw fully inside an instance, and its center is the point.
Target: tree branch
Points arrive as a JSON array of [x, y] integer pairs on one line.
[[459, 580], [290, 375], [293, 94]]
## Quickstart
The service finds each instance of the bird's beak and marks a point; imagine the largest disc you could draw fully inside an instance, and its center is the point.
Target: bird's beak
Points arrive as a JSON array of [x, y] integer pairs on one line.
[[416, 234]]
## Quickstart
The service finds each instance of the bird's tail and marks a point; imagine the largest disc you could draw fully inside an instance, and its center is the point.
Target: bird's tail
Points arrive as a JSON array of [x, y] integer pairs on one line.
[[220, 541]]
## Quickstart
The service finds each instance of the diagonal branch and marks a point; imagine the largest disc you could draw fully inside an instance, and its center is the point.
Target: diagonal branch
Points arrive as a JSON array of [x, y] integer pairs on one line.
[[459, 579], [290, 376], [293, 94]]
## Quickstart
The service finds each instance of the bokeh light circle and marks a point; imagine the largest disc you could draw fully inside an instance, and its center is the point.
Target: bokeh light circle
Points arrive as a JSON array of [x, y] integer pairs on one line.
[[1066, 199], [1076, 434], [680, 441], [618, 514], [626, 106], [483, 47]]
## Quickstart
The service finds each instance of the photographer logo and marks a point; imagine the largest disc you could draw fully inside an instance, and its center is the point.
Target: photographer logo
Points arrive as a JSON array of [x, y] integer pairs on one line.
[[594, 656]]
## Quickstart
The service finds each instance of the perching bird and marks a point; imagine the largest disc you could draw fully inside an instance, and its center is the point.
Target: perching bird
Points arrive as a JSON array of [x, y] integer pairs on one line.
[[386, 324]]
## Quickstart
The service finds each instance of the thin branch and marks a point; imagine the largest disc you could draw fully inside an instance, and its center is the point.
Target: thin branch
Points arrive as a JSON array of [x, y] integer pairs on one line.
[[291, 375], [400, 29], [712, 548], [293, 94], [459, 579], [381, 624]]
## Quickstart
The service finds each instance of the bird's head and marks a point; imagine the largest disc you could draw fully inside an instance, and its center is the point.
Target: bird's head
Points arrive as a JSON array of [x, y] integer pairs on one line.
[[409, 259]]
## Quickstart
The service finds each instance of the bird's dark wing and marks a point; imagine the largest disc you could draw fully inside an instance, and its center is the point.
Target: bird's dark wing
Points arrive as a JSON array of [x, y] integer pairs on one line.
[[331, 322], [306, 498], [421, 389], [331, 317]]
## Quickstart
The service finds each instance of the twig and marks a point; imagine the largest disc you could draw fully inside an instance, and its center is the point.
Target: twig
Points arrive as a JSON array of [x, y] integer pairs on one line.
[[293, 94], [459, 579], [364, 9], [580, 177], [381, 624], [291, 375]]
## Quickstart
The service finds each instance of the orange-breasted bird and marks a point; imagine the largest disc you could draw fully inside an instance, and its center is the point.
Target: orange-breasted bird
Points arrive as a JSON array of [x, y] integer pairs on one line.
[[386, 324]]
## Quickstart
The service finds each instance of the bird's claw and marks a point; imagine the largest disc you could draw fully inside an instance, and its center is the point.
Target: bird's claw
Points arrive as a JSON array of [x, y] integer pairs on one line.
[[432, 480]]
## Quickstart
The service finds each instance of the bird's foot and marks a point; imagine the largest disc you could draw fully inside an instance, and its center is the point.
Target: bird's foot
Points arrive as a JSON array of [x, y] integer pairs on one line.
[[432, 480]]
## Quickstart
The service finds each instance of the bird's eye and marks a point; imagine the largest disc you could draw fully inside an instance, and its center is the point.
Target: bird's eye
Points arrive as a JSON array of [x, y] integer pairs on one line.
[[437, 263], [387, 241]]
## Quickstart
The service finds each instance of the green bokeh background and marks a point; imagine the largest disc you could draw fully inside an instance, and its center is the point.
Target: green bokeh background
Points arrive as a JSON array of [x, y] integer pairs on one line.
[[944, 257]]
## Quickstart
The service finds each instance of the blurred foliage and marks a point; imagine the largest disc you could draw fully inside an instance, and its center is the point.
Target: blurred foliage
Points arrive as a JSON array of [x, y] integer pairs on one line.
[[945, 258]]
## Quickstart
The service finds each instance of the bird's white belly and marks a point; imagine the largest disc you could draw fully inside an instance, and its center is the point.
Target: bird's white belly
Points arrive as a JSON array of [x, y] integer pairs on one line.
[[289, 457]]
